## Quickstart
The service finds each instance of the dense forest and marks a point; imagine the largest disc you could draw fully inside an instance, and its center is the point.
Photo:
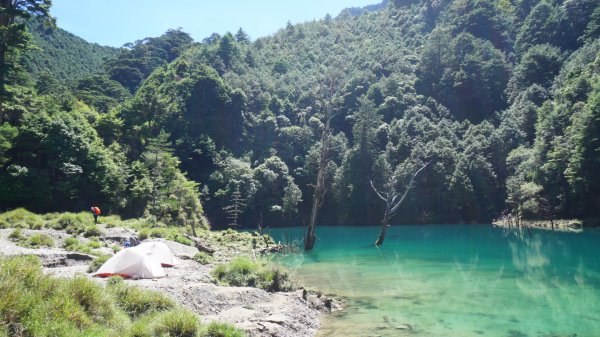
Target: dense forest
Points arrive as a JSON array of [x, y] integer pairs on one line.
[[502, 98]]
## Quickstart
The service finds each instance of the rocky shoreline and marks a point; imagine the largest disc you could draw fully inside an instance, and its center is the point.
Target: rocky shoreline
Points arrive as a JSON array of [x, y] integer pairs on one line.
[[256, 311], [560, 225]]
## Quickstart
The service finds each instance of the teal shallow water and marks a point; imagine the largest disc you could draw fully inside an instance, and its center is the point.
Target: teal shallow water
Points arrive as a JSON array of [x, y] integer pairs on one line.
[[454, 280]]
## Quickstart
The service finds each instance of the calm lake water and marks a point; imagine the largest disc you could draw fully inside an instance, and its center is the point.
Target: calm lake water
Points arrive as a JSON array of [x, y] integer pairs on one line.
[[454, 280]]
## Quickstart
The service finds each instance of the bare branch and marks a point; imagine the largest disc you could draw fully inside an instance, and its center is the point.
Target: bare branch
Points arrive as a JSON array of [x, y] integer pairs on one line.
[[376, 191], [410, 184]]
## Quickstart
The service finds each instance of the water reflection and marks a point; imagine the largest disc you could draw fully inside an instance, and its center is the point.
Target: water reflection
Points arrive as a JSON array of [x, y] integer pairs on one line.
[[456, 281]]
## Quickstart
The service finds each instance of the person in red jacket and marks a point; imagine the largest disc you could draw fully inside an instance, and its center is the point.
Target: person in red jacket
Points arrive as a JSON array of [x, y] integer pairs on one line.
[[96, 211]]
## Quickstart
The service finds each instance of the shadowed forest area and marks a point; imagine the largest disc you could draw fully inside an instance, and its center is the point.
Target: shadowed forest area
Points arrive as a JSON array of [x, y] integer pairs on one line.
[[501, 98]]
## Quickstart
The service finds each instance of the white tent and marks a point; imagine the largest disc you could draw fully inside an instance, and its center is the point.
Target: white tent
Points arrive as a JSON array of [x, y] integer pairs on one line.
[[160, 252], [132, 262]]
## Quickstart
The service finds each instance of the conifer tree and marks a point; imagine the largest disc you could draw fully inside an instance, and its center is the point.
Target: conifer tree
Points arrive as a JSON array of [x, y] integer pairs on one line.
[[236, 208]]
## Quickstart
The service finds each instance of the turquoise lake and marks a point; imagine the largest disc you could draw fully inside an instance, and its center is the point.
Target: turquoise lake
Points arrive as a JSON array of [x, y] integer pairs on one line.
[[454, 280]]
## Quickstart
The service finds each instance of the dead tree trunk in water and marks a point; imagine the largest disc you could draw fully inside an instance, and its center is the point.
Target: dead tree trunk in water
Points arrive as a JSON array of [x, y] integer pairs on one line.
[[331, 84], [319, 194], [390, 197]]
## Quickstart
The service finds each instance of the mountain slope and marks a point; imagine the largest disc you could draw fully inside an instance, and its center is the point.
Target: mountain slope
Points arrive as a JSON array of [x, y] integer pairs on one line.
[[65, 56]]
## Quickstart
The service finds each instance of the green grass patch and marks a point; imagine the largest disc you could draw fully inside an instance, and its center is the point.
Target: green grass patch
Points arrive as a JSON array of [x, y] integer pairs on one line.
[[203, 258], [243, 271], [16, 235], [91, 230], [183, 240], [38, 240], [136, 302], [73, 244], [21, 218], [181, 323], [36, 304], [217, 329], [73, 223], [144, 233], [97, 263]]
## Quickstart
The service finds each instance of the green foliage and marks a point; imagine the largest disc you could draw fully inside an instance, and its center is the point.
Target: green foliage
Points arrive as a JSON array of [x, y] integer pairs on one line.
[[35, 304], [21, 218], [140, 58], [181, 323], [242, 271], [16, 234], [203, 258], [482, 88], [466, 74], [7, 134], [63, 55], [97, 263], [73, 223], [91, 230], [39, 240], [539, 65], [13, 34], [66, 151], [101, 92], [137, 302], [217, 329]]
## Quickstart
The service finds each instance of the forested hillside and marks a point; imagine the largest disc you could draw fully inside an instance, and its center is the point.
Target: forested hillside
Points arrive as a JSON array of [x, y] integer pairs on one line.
[[501, 97], [62, 55]]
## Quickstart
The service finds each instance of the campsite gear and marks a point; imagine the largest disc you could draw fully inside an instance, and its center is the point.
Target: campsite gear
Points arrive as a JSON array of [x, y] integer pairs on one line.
[[134, 241], [143, 261], [132, 262], [160, 251], [127, 244]]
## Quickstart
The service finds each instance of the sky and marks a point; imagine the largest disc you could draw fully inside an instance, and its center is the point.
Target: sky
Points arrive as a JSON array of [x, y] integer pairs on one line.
[[116, 22]]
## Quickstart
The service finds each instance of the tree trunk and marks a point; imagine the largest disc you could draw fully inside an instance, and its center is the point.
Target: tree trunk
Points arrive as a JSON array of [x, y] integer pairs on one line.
[[193, 224], [385, 223], [309, 240]]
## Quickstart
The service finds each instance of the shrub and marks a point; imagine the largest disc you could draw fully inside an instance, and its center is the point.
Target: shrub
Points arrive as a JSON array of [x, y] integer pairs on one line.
[[137, 302], [114, 281], [203, 258], [40, 305], [73, 223], [144, 233], [158, 233], [36, 304], [91, 231], [75, 245], [111, 221], [16, 235], [39, 240], [95, 244], [97, 263], [91, 297], [116, 248], [217, 329], [242, 271], [143, 327], [183, 240], [181, 323], [275, 278], [21, 218]]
